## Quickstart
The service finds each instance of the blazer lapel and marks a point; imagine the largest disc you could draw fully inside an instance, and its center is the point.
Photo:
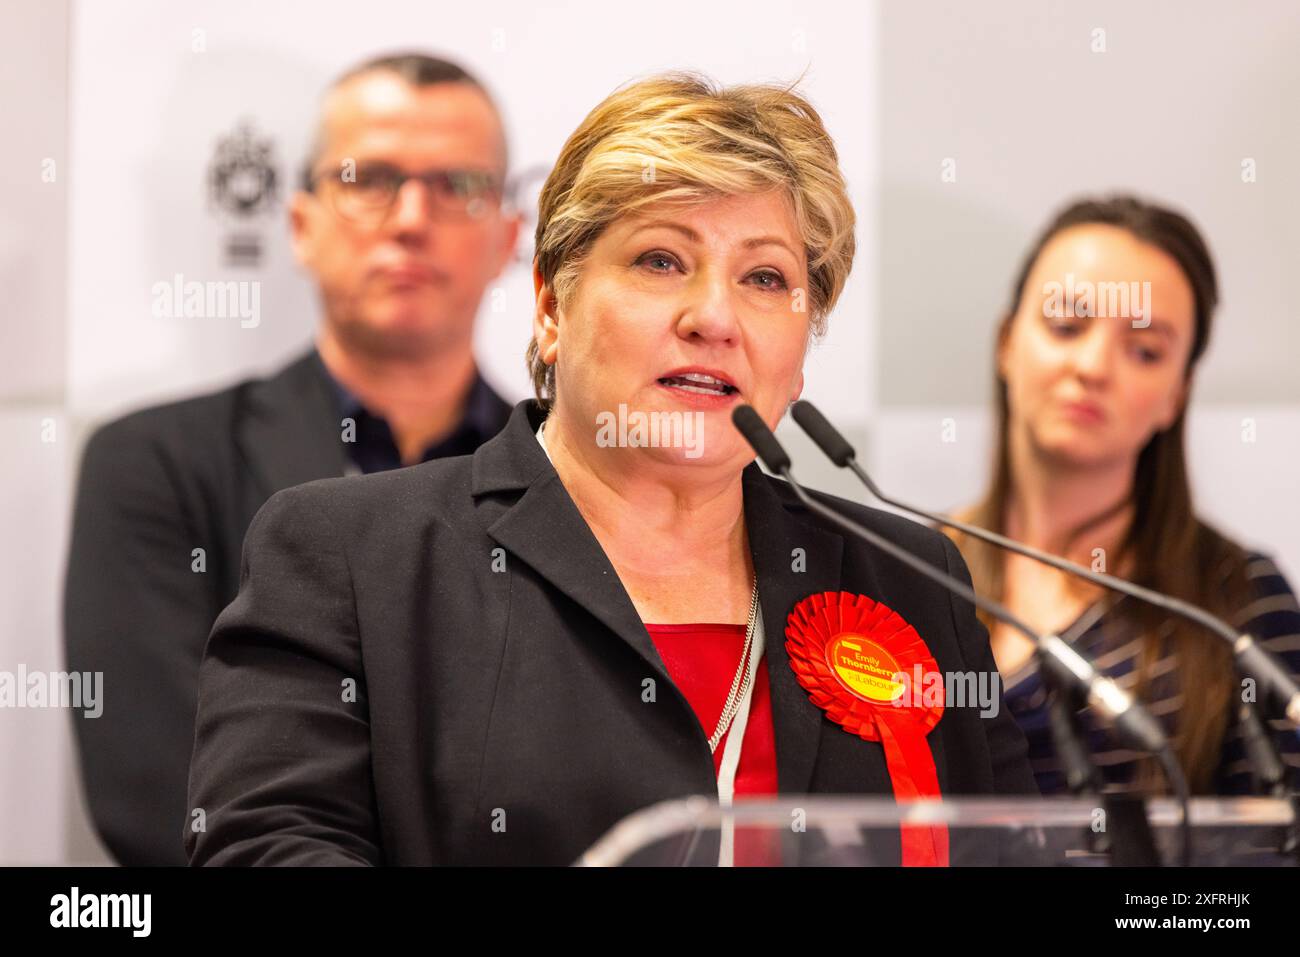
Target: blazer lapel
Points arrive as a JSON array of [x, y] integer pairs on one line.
[[793, 559], [545, 530], [290, 432]]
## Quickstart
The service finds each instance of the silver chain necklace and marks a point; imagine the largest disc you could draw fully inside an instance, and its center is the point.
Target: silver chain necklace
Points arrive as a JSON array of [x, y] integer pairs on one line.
[[740, 683]]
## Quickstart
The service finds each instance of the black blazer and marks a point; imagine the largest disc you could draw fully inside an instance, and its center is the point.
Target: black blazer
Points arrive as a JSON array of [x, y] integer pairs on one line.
[[154, 486], [416, 655]]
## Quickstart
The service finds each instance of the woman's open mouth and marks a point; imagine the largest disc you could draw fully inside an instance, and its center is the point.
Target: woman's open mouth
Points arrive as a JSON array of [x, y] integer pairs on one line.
[[698, 389], [699, 383]]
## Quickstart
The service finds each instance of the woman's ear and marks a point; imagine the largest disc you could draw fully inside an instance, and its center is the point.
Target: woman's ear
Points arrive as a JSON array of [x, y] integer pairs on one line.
[[546, 327]]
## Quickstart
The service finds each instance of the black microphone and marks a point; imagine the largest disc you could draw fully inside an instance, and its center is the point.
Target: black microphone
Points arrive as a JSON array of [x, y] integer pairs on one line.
[[1069, 671], [1072, 670], [1252, 660]]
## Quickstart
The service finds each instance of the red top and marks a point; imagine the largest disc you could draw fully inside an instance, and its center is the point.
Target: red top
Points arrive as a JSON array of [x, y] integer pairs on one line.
[[702, 660]]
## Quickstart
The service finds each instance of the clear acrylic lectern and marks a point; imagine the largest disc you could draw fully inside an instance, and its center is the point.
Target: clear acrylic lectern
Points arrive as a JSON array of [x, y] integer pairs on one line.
[[868, 832]]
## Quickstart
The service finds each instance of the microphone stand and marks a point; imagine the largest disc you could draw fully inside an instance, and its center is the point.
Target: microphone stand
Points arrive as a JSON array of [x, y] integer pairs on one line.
[[1250, 659], [1270, 774], [1126, 835], [1063, 663]]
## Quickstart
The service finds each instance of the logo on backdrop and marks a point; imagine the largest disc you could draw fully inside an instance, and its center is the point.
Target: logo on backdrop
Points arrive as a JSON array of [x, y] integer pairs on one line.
[[243, 186]]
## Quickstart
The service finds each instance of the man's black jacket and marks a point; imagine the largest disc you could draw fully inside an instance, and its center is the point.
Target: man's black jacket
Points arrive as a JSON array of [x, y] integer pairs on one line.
[[140, 599]]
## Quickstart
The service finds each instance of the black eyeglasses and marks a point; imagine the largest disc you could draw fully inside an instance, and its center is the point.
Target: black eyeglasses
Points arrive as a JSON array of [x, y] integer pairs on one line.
[[366, 193]]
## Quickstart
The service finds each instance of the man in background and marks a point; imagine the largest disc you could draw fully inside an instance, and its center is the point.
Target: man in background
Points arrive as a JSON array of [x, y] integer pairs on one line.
[[402, 222]]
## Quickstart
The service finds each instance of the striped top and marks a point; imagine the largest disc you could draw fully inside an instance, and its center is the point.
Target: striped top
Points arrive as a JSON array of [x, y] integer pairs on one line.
[[1108, 639]]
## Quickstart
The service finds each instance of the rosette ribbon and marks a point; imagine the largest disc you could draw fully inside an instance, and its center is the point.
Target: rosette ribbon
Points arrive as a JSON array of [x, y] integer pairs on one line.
[[848, 652]]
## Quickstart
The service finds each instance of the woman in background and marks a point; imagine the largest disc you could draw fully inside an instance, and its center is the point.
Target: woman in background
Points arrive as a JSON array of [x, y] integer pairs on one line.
[[1110, 314]]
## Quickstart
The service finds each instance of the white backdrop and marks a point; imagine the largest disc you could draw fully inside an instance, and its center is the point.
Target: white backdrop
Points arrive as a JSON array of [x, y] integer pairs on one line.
[[150, 87], [148, 110], [153, 86]]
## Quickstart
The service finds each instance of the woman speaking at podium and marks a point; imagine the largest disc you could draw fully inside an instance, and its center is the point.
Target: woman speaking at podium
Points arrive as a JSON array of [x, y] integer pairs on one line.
[[493, 659]]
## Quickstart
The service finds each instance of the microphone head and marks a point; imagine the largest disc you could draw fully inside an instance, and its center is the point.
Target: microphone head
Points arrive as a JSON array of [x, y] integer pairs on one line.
[[826, 436], [751, 425]]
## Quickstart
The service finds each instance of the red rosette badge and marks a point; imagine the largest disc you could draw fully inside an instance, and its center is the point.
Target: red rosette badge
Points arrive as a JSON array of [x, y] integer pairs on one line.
[[847, 652]]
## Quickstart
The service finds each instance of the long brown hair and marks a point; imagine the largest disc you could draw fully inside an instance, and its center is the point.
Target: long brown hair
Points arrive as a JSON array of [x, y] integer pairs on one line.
[[1165, 546]]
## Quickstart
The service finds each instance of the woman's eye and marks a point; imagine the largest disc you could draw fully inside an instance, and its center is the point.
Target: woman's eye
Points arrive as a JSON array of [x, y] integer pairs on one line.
[[658, 262], [1147, 356], [768, 279], [1064, 328]]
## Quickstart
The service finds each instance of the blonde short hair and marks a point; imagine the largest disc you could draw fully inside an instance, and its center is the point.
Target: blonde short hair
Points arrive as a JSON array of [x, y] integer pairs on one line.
[[678, 137]]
